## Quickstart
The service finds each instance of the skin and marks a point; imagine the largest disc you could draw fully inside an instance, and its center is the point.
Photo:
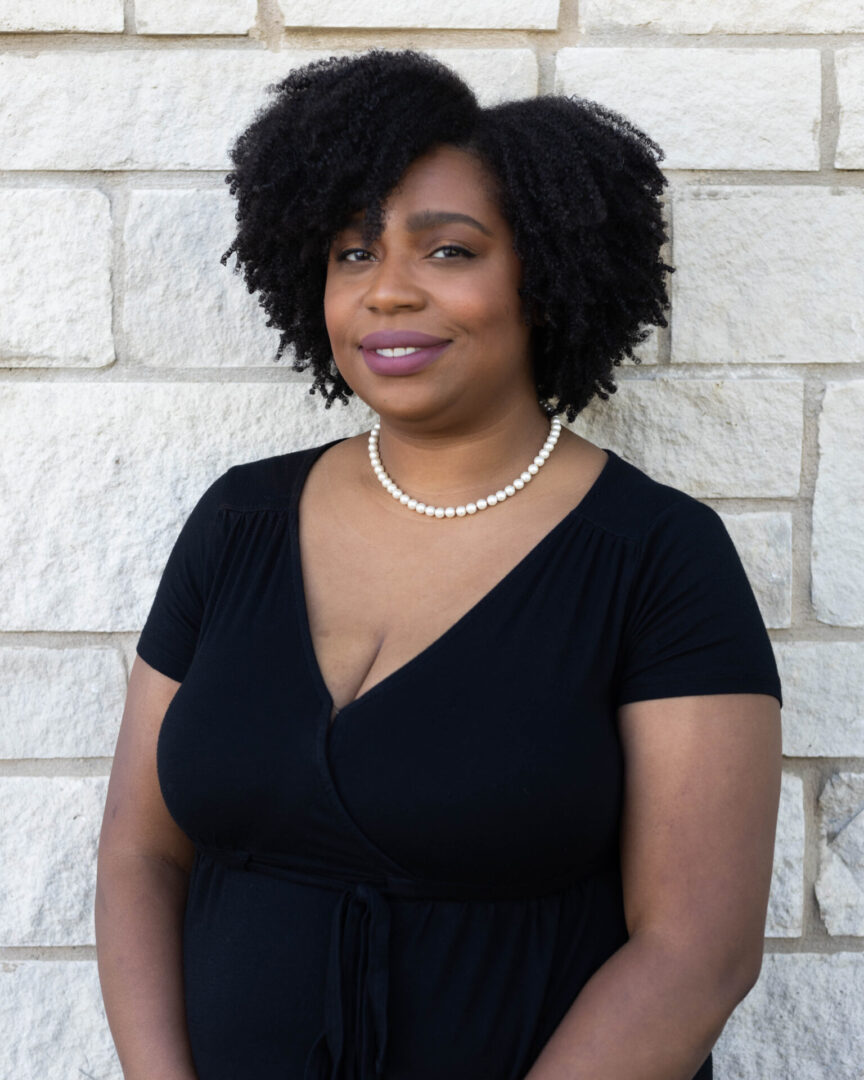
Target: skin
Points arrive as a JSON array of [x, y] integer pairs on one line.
[[702, 773]]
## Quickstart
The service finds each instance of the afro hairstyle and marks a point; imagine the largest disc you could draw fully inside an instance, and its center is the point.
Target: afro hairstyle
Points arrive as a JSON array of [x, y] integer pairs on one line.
[[578, 183]]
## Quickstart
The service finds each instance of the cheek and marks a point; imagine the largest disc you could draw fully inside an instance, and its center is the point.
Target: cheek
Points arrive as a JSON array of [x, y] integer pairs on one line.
[[334, 311], [505, 303], [490, 303]]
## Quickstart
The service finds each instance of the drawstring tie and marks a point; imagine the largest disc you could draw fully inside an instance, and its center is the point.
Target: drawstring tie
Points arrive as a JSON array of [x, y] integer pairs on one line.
[[353, 1042], [356, 993]]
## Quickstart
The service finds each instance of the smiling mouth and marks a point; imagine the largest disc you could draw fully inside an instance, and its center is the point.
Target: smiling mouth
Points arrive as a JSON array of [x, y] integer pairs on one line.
[[407, 350], [402, 359]]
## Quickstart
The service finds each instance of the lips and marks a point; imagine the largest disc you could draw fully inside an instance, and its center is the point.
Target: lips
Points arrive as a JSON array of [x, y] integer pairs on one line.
[[400, 339], [403, 365]]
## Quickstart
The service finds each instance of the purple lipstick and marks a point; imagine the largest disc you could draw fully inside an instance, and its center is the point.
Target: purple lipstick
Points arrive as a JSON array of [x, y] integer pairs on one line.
[[401, 352]]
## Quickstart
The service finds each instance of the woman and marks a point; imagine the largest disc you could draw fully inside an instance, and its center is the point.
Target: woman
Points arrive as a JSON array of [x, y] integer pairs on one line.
[[472, 772]]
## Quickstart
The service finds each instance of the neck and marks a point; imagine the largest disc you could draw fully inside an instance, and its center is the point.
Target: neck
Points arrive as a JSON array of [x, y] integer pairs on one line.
[[458, 464]]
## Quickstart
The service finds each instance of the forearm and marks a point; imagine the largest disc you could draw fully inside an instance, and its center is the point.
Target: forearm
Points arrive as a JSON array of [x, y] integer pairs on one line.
[[139, 921], [651, 1012]]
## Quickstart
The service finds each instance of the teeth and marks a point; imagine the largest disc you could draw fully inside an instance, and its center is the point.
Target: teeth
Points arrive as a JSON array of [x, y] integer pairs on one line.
[[397, 352]]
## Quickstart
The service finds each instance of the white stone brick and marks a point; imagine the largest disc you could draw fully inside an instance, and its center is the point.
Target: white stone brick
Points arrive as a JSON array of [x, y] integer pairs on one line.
[[786, 901], [183, 308], [195, 16], [60, 702], [48, 858], [761, 278], [427, 14], [495, 75], [711, 438], [175, 108], [802, 1020], [840, 884], [849, 64], [55, 278], [52, 1022], [764, 542], [823, 697], [745, 108], [724, 16], [837, 556], [93, 16], [110, 474]]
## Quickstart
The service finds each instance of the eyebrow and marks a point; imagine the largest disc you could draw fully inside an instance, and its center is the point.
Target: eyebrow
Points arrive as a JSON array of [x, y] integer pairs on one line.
[[428, 219]]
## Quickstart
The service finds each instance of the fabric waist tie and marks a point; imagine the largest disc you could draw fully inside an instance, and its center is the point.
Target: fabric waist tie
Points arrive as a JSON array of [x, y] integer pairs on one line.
[[353, 1043]]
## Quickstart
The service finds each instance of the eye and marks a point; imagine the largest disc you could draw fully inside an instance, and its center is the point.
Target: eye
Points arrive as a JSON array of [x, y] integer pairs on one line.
[[345, 256], [454, 248]]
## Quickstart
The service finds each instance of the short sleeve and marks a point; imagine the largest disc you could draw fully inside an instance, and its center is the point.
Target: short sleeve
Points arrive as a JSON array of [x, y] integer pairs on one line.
[[693, 625], [170, 634]]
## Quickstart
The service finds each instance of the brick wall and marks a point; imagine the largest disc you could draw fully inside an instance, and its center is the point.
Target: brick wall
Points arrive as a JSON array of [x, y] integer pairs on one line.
[[135, 368]]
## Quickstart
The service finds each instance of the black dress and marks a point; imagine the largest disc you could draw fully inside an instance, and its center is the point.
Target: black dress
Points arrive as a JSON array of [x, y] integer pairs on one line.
[[419, 890]]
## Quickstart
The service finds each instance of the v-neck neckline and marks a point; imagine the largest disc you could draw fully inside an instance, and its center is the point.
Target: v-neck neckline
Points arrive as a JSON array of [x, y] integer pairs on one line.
[[309, 459]]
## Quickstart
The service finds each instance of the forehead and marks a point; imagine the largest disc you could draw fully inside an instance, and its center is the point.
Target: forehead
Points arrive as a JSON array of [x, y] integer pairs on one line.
[[446, 181]]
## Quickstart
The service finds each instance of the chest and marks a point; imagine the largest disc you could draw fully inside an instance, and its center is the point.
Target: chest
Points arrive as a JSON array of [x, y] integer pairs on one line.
[[379, 593], [485, 751]]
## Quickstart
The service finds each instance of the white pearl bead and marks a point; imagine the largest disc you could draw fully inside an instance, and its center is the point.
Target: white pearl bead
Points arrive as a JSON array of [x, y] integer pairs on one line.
[[506, 492]]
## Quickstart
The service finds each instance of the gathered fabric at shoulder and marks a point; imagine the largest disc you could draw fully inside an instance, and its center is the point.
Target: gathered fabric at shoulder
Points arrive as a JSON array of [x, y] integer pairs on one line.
[[693, 625], [170, 632]]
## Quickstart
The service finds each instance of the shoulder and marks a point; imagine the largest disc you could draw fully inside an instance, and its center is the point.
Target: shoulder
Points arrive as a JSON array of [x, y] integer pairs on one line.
[[263, 482], [629, 502]]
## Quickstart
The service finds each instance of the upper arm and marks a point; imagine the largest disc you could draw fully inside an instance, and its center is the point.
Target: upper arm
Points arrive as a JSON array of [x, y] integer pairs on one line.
[[136, 820], [701, 794]]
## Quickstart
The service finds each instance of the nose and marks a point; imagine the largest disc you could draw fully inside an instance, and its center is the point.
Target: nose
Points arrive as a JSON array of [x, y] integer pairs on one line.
[[392, 287]]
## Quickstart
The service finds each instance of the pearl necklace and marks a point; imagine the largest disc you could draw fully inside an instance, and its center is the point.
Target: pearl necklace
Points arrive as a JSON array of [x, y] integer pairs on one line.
[[508, 491]]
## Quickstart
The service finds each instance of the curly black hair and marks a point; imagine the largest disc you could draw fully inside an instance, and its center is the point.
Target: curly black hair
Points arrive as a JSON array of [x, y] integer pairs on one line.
[[578, 183]]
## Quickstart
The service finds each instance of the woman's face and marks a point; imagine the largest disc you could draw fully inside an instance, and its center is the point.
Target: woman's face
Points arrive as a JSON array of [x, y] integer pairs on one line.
[[443, 267]]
